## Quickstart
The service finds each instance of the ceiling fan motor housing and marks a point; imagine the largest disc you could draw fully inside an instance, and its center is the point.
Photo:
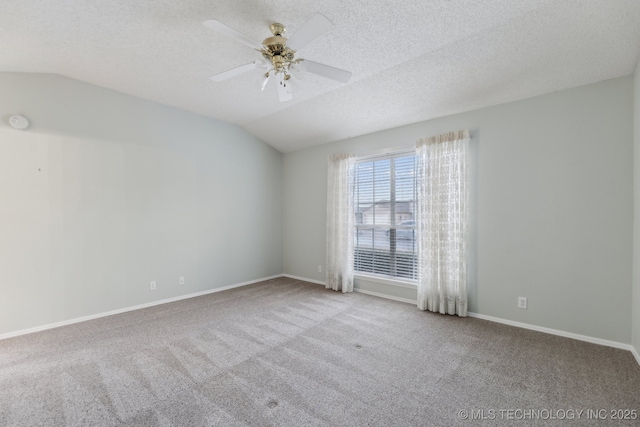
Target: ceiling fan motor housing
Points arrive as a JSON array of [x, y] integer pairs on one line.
[[275, 49]]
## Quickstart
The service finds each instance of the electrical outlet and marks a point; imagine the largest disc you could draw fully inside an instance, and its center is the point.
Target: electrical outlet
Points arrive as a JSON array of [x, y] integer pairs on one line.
[[319, 269], [522, 302], [152, 285], [181, 280]]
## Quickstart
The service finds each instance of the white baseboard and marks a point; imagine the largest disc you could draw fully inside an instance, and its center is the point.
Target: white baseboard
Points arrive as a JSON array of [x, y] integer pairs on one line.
[[361, 291], [635, 354], [304, 279], [558, 332], [391, 297], [135, 307]]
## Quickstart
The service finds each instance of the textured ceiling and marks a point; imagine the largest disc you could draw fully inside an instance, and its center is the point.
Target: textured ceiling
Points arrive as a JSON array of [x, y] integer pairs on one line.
[[411, 60]]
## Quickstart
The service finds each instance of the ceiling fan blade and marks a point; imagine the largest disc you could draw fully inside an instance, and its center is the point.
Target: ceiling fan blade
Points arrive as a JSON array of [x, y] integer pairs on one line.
[[230, 32], [316, 26], [283, 93], [233, 72], [326, 71]]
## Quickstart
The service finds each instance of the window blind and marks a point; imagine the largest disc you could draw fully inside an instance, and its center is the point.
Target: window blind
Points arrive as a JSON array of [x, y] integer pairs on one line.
[[385, 204]]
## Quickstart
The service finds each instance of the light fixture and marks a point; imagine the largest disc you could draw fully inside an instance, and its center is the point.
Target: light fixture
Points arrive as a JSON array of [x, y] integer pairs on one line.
[[264, 79], [279, 58], [297, 70]]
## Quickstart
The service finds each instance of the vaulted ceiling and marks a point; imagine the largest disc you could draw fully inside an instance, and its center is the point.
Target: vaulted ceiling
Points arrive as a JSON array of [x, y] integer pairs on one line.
[[411, 60]]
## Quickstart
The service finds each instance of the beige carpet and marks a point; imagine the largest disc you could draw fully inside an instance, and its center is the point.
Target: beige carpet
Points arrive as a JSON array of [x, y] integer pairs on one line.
[[285, 352]]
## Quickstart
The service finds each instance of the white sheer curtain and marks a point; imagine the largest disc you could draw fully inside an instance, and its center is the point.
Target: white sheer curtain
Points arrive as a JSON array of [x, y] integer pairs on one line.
[[340, 222], [443, 216]]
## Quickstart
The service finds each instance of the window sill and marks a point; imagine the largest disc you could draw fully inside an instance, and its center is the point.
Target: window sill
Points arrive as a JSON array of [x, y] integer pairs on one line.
[[387, 281]]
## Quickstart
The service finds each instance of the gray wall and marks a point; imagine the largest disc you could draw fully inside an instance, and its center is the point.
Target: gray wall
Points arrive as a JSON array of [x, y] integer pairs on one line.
[[553, 207], [106, 192], [636, 197]]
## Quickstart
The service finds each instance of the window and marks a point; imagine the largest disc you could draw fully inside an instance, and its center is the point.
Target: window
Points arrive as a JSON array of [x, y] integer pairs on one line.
[[385, 206]]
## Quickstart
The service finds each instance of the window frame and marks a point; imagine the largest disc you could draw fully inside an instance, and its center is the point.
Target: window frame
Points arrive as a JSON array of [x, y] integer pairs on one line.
[[391, 278]]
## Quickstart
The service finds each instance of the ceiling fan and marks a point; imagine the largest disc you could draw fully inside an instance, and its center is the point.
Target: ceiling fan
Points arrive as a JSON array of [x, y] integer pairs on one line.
[[278, 55]]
